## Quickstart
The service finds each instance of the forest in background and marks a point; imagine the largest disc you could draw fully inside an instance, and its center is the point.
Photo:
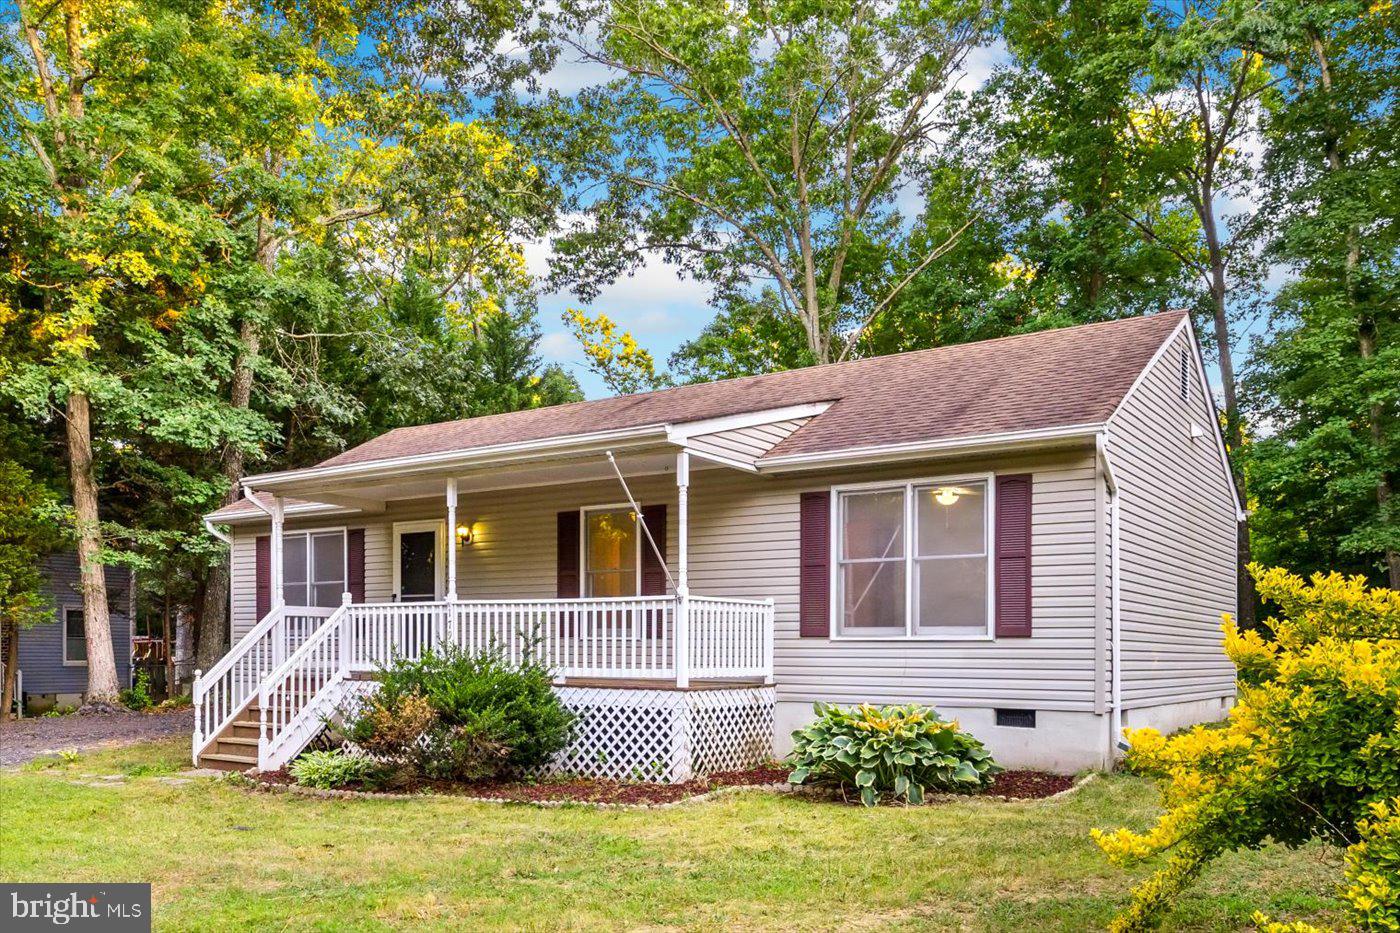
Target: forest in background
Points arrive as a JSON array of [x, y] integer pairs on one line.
[[238, 237]]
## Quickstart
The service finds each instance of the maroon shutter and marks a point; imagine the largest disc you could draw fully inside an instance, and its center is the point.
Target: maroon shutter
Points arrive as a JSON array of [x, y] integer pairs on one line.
[[262, 574], [567, 583], [355, 564], [653, 573], [1013, 556], [814, 588]]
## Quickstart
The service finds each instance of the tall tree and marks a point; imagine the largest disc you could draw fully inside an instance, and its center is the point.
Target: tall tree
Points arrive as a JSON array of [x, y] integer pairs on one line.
[[102, 238], [757, 145], [1330, 376]]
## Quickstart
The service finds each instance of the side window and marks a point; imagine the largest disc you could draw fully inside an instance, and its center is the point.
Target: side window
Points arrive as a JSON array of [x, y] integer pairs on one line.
[[74, 637]]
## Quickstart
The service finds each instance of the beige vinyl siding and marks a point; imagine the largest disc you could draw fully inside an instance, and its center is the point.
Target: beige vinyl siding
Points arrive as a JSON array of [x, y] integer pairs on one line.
[[743, 543], [746, 444], [744, 539], [1177, 536]]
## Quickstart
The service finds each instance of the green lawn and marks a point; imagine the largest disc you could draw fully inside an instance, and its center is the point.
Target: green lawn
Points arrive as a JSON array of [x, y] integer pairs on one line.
[[222, 857]]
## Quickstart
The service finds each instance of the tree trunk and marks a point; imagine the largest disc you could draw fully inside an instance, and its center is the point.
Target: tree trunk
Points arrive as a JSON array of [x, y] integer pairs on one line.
[[1234, 432], [1367, 344], [10, 638], [97, 623], [184, 645], [214, 608], [172, 686]]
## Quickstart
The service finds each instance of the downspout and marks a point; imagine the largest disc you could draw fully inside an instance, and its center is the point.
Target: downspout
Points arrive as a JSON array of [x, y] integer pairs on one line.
[[1116, 742], [215, 532]]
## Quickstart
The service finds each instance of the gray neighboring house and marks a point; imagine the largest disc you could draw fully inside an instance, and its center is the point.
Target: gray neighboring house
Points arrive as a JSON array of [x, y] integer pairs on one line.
[[1036, 534], [53, 656]]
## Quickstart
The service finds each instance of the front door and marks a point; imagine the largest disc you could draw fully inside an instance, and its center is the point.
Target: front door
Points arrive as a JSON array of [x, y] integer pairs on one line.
[[419, 574]]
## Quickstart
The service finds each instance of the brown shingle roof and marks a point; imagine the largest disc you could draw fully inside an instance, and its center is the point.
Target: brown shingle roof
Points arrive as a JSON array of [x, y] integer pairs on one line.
[[1047, 379], [1054, 378]]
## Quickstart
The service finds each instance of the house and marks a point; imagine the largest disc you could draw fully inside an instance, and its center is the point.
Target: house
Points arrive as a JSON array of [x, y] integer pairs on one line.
[[53, 655], [1035, 534]]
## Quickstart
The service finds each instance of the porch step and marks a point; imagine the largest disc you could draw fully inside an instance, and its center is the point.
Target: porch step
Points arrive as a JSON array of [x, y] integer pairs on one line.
[[224, 762], [233, 745]]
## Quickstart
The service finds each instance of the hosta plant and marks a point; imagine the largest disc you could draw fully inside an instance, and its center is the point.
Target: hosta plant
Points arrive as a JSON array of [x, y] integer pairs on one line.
[[888, 752]]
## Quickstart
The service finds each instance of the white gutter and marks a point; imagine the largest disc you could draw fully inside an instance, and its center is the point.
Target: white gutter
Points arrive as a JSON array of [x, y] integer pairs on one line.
[[220, 535], [916, 449], [399, 466]]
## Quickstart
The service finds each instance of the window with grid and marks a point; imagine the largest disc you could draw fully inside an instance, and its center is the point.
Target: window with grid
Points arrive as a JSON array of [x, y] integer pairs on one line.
[[610, 555], [313, 568], [913, 560]]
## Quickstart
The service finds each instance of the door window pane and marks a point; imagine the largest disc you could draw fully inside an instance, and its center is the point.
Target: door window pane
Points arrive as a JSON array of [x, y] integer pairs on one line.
[[872, 598], [294, 570], [418, 566], [873, 525], [950, 592], [74, 636], [610, 553], [327, 568], [951, 519]]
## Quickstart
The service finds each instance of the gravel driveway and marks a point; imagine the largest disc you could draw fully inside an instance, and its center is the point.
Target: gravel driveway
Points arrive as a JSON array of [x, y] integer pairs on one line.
[[30, 738]]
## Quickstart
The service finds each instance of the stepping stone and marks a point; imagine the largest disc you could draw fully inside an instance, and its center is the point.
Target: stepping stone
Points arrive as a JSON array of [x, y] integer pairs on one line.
[[173, 781], [200, 773], [114, 777]]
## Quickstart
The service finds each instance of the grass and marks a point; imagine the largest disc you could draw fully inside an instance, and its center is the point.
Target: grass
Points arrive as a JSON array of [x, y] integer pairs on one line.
[[222, 857]]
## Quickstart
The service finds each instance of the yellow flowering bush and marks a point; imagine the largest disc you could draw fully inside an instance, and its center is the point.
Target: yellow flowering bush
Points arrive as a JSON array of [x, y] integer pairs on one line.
[[1311, 750]]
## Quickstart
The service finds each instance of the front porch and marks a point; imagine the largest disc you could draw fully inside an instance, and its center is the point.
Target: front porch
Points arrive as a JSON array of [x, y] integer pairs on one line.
[[661, 685]]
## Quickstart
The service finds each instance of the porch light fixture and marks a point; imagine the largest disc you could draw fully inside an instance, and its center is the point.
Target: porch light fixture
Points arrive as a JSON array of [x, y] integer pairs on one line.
[[464, 535]]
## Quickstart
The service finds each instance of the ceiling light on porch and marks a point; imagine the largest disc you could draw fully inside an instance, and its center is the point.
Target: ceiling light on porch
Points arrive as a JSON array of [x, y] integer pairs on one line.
[[946, 495]]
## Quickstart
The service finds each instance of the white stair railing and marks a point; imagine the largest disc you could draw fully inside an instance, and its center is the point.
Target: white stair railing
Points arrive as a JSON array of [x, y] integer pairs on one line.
[[222, 692], [304, 687]]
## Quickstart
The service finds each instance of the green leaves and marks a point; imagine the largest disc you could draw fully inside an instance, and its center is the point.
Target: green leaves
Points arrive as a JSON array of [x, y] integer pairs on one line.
[[894, 751]]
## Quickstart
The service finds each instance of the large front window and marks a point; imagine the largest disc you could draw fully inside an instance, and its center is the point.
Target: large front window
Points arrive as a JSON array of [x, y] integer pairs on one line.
[[610, 552], [313, 568], [913, 560]]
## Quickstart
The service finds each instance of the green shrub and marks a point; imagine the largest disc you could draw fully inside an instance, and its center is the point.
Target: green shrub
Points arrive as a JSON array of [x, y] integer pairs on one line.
[[333, 769], [456, 716], [138, 695], [894, 751]]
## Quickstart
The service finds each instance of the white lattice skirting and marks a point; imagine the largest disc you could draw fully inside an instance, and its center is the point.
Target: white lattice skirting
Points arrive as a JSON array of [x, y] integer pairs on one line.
[[665, 735]]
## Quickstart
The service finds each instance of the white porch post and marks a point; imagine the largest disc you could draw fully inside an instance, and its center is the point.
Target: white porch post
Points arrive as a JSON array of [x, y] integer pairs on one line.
[[279, 598], [682, 569], [451, 538]]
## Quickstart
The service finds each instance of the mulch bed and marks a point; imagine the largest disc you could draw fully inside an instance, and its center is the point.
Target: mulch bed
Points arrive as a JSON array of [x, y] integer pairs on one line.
[[1017, 785], [1028, 785]]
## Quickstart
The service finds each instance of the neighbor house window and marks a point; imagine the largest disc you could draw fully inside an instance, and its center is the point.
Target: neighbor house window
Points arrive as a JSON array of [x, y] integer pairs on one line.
[[313, 568], [74, 637], [610, 553], [913, 559]]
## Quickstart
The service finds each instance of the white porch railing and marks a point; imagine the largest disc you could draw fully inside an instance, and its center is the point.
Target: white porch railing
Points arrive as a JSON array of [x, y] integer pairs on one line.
[[296, 660], [222, 692]]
